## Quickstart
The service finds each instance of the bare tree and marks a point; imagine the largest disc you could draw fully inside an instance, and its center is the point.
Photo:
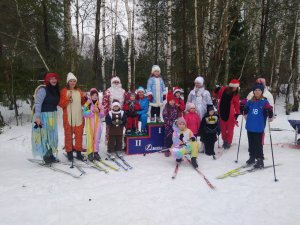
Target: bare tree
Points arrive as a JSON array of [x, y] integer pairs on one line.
[[68, 44], [129, 25], [103, 46], [96, 54], [169, 45], [114, 33]]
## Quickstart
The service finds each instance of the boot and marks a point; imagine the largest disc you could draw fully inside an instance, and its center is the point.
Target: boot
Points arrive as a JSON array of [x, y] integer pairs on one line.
[[158, 120], [250, 161], [91, 157], [194, 162], [79, 156], [259, 163], [97, 156], [152, 119], [47, 159], [179, 160], [70, 156], [214, 157]]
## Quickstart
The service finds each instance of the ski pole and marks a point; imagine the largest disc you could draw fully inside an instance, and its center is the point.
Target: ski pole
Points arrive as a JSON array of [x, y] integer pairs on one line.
[[275, 179], [238, 151]]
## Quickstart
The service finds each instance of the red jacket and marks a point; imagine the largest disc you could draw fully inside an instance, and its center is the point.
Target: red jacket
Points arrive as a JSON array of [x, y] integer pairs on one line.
[[192, 122], [234, 104], [131, 108], [181, 106]]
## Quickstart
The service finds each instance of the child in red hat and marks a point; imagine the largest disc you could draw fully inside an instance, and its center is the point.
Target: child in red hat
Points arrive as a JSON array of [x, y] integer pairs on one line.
[[177, 91]]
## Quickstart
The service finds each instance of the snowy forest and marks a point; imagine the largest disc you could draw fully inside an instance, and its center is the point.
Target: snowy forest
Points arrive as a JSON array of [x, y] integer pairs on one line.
[[218, 39]]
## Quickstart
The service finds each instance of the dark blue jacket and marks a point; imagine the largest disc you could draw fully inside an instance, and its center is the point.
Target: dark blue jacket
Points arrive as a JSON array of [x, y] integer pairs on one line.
[[257, 111]]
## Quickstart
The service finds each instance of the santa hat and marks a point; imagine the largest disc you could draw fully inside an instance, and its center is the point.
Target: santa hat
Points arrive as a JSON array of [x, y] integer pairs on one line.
[[48, 76], [261, 81], [177, 89], [181, 120], [258, 86], [170, 96], [71, 76], [93, 91], [155, 68], [115, 79], [140, 89], [199, 80], [234, 83], [115, 103], [190, 105]]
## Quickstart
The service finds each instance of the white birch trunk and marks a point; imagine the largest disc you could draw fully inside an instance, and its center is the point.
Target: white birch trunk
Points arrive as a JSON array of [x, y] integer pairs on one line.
[[196, 36], [103, 53], [129, 27], [169, 44], [114, 33]]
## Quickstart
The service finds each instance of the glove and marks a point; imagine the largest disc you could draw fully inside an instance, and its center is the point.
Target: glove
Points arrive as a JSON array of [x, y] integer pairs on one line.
[[237, 123], [37, 125], [236, 116], [193, 139], [181, 137], [164, 97], [150, 98]]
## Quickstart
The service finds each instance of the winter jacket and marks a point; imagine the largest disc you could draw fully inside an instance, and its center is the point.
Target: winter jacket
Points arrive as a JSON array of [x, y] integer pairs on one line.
[[144, 103], [209, 125], [182, 137], [257, 110], [181, 106], [131, 108], [192, 121], [46, 100], [156, 88], [169, 117], [116, 120], [228, 112], [201, 98]]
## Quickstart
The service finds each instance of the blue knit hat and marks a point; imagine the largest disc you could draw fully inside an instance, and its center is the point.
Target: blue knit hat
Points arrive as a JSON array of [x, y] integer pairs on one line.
[[258, 86]]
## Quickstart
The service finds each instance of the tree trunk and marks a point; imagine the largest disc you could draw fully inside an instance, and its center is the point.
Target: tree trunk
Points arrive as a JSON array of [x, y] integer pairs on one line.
[[256, 10], [114, 24], [68, 44], [297, 75], [263, 32], [77, 26], [96, 55], [184, 50], [197, 37], [103, 47], [129, 26], [169, 45], [45, 24], [132, 47], [156, 33], [291, 68]]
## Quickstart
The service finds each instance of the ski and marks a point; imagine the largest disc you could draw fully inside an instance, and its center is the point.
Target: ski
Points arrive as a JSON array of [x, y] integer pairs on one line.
[[175, 171], [238, 173], [78, 167], [227, 174], [54, 168], [121, 157], [200, 173], [116, 162], [96, 165], [108, 165]]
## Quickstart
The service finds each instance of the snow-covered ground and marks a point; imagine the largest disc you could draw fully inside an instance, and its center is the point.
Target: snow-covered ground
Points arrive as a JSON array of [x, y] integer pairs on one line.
[[146, 195]]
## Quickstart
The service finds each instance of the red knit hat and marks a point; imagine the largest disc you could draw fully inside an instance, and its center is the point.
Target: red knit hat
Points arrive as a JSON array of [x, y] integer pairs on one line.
[[234, 83], [177, 89], [48, 76], [170, 96]]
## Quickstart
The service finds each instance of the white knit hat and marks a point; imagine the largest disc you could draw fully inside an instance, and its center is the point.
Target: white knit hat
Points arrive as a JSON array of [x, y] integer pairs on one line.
[[140, 89], [199, 80], [71, 76], [115, 79], [155, 68], [116, 103]]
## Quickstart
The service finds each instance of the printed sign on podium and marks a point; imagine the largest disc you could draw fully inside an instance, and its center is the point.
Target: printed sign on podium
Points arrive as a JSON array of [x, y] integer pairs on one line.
[[153, 142]]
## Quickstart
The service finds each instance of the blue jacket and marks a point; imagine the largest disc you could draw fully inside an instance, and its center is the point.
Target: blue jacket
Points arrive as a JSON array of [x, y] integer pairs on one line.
[[157, 94], [144, 103], [257, 112]]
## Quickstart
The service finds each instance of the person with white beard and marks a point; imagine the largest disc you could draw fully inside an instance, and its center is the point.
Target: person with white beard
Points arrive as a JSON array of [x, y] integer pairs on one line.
[[115, 92]]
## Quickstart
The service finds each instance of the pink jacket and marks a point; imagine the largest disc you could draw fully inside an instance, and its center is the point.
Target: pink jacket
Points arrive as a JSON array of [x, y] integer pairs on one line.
[[192, 122]]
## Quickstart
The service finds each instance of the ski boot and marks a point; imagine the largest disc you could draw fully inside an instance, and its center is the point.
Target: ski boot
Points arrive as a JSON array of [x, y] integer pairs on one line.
[[152, 119], [179, 160], [214, 157], [250, 161], [119, 154], [91, 157], [97, 156], [79, 156], [128, 132], [259, 163], [111, 155], [70, 156], [158, 120], [194, 162]]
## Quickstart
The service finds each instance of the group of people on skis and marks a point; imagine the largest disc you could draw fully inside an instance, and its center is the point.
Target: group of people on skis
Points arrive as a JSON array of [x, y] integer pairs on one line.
[[121, 110]]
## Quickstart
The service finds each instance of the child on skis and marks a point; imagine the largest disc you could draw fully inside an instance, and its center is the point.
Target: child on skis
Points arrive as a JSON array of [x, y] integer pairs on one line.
[[177, 91], [71, 101], [156, 93], [184, 142], [131, 107], [192, 119], [142, 113], [116, 121], [256, 112], [93, 112], [170, 113], [209, 129]]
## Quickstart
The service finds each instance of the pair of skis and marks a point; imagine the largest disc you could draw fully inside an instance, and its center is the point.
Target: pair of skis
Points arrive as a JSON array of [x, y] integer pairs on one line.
[[197, 170], [240, 171], [125, 166]]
